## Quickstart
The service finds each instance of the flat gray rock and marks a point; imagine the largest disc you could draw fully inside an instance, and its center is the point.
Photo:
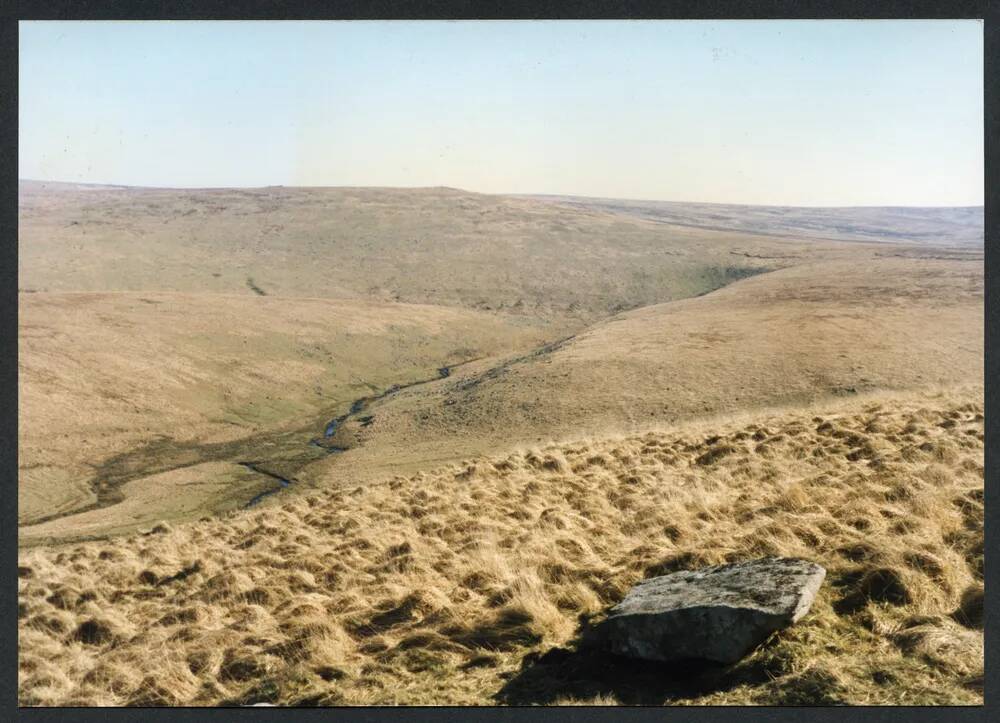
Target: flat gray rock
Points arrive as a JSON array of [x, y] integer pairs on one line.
[[718, 613]]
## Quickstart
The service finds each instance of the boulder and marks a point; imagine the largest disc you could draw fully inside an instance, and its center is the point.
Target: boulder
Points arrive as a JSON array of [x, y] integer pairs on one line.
[[717, 613]]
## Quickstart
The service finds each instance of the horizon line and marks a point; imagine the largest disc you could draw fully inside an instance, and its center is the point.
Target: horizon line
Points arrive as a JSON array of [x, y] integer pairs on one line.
[[568, 196]]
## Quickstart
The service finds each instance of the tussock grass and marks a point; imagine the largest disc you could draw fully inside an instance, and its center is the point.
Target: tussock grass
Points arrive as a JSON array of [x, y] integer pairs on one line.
[[476, 583]]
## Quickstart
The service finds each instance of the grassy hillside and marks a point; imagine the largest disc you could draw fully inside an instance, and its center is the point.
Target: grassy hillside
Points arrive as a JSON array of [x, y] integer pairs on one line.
[[475, 583], [797, 335]]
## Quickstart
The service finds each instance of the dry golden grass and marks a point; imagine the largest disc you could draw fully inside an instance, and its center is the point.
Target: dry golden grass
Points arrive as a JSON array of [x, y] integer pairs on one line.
[[476, 583]]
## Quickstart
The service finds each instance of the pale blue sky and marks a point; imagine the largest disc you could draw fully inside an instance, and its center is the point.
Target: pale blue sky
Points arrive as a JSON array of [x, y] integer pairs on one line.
[[774, 112]]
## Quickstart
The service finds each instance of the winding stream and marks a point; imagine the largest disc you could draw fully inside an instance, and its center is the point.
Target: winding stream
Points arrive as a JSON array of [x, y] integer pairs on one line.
[[357, 406]]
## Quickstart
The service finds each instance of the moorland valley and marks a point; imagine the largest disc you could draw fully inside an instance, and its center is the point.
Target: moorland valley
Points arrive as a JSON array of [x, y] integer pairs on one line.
[[396, 446]]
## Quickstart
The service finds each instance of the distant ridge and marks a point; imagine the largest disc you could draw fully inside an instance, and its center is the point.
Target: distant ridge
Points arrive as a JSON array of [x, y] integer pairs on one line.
[[938, 225], [958, 226], [32, 184]]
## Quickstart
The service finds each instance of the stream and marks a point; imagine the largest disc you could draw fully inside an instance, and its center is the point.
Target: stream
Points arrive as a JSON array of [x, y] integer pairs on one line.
[[357, 406]]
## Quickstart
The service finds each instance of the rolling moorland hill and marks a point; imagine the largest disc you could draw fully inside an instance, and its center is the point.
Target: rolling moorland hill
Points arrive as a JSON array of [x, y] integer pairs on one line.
[[427, 246]]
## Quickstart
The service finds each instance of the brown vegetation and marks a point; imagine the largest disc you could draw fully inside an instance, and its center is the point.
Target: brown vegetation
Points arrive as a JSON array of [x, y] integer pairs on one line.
[[635, 394], [475, 583]]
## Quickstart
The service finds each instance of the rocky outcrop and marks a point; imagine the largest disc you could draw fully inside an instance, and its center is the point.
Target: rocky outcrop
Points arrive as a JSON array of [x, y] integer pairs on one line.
[[717, 613]]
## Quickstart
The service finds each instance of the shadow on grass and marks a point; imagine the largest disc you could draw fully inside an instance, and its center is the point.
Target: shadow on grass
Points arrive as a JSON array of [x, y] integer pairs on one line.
[[562, 673], [589, 672], [585, 670]]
